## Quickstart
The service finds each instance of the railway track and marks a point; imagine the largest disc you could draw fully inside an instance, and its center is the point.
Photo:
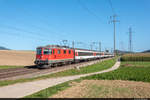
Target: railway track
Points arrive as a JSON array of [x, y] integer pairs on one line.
[[27, 72], [15, 72]]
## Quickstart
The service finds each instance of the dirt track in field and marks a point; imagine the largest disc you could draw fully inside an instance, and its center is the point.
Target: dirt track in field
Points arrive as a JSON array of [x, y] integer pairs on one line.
[[17, 58], [106, 89]]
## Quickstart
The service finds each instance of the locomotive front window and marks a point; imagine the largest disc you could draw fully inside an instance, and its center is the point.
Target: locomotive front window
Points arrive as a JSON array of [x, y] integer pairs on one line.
[[39, 51], [47, 51]]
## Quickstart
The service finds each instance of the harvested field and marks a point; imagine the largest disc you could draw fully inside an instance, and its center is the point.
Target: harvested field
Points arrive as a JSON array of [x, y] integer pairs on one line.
[[106, 89], [17, 58]]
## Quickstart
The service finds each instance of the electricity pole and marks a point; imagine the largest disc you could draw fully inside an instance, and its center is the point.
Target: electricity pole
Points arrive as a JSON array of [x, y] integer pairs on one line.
[[91, 46], [72, 44], [114, 23], [64, 42]]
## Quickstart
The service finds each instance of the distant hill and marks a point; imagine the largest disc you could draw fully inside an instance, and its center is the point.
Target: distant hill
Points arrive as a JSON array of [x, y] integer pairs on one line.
[[3, 48], [147, 51]]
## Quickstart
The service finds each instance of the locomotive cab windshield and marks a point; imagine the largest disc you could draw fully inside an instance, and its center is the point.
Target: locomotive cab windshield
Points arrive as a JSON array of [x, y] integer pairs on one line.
[[43, 53], [47, 51], [39, 51]]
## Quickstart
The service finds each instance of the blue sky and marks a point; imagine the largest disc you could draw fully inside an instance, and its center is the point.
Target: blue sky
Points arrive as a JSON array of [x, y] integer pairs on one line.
[[26, 24]]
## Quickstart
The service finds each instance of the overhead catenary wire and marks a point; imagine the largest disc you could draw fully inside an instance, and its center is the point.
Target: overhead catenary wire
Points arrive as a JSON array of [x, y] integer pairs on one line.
[[96, 16], [25, 33], [46, 23], [23, 30], [42, 35], [31, 32], [22, 36], [48, 30], [110, 3], [89, 11]]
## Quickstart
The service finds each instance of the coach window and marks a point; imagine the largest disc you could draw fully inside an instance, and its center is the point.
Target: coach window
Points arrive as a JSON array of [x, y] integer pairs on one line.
[[64, 51], [69, 51], [58, 51]]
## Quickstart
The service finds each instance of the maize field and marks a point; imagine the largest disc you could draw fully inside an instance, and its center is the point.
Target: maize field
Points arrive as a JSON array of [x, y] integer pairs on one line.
[[132, 71], [136, 57]]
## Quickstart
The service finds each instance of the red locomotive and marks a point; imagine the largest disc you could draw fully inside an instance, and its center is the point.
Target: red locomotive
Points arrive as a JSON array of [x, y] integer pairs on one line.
[[53, 55]]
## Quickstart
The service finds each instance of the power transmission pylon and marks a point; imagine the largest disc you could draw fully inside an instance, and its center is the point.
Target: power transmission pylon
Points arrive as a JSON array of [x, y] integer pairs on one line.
[[100, 46], [114, 23], [130, 39]]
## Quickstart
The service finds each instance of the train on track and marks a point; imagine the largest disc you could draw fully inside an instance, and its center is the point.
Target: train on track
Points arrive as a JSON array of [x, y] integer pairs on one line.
[[54, 55]]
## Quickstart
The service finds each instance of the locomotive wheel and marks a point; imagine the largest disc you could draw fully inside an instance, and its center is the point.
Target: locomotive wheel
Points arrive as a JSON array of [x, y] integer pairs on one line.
[[69, 63], [44, 66], [55, 65]]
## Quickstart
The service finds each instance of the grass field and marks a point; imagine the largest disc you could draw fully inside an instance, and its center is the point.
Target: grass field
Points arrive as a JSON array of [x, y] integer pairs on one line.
[[136, 57], [53, 90], [92, 68], [7, 67], [50, 91], [89, 69], [129, 71], [133, 71]]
